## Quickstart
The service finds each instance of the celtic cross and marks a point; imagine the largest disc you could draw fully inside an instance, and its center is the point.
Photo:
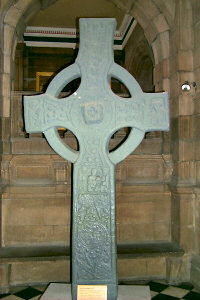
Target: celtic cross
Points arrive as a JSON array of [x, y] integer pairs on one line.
[[93, 113]]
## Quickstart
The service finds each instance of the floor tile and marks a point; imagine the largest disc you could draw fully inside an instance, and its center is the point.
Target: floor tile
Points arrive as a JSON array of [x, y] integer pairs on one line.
[[161, 282], [28, 293], [11, 297], [41, 288], [36, 298], [141, 282], [192, 296], [153, 294], [185, 286], [157, 287], [164, 297], [159, 291], [175, 292], [16, 289], [4, 295]]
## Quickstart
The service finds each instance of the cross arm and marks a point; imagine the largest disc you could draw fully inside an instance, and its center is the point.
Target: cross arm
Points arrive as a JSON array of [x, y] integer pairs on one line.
[[45, 111], [156, 112], [147, 112]]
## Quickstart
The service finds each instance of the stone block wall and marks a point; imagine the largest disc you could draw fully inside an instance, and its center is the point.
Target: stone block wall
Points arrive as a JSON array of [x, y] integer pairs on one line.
[[36, 203], [37, 195], [143, 200]]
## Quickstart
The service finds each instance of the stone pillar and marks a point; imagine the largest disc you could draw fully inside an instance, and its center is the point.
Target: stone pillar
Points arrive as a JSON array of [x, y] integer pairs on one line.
[[195, 262], [182, 127], [4, 275], [182, 103], [18, 80]]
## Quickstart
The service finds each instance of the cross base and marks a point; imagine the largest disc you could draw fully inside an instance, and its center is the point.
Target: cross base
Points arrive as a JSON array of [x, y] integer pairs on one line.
[[62, 291], [111, 291]]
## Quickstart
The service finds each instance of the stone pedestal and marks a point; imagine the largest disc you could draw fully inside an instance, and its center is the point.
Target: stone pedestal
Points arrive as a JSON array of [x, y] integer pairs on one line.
[[62, 291]]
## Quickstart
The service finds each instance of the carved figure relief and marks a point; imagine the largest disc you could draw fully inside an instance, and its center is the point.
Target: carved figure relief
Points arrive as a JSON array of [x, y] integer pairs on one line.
[[92, 152], [93, 180], [97, 181]]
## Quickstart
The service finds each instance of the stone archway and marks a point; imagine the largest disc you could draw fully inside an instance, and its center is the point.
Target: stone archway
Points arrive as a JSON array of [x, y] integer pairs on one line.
[[14, 23], [139, 59], [154, 23]]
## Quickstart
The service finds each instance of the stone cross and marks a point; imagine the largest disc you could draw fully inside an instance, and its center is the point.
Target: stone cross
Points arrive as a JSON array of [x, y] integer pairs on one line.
[[94, 113]]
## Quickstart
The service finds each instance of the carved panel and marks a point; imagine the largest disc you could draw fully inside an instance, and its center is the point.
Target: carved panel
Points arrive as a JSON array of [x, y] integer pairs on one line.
[[129, 111], [93, 228], [93, 234], [158, 112]]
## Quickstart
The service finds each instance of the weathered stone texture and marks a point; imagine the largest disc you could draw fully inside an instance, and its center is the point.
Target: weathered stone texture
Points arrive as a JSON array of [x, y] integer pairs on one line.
[[161, 70], [143, 214], [150, 33], [36, 214], [178, 269], [4, 275], [186, 127], [151, 10], [8, 38], [21, 5], [185, 60], [183, 219], [26, 271], [29, 272], [13, 16], [142, 268], [186, 105], [195, 270], [160, 23]]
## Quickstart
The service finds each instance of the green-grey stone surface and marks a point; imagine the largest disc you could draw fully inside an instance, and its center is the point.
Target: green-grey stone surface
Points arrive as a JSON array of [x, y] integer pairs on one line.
[[93, 113]]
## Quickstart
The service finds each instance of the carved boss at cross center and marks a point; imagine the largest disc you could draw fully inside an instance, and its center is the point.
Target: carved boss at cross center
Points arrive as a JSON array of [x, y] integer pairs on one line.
[[93, 113]]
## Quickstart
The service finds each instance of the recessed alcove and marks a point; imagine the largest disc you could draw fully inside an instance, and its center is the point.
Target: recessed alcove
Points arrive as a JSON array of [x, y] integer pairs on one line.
[[142, 180]]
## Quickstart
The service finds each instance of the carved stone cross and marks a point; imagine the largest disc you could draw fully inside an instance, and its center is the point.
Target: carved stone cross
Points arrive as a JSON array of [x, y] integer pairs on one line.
[[93, 113]]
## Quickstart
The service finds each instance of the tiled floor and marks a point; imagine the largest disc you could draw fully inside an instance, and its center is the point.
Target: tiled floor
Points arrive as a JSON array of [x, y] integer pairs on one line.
[[159, 291]]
